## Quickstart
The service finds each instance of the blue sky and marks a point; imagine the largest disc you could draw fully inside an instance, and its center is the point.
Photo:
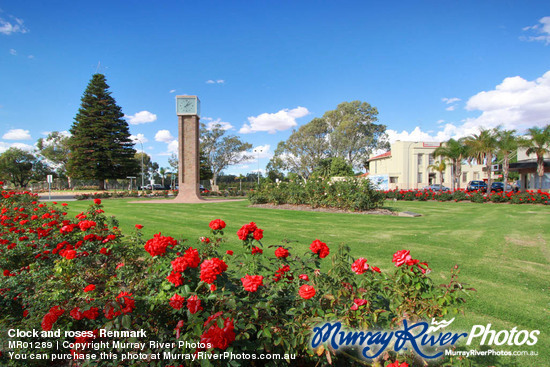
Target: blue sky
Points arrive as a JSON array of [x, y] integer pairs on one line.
[[434, 70]]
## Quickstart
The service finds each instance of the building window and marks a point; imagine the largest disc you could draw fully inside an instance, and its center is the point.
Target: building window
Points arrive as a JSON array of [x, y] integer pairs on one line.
[[419, 177], [465, 177], [375, 166], [476, 175], [393, 180], [420, 156], [431, 159]]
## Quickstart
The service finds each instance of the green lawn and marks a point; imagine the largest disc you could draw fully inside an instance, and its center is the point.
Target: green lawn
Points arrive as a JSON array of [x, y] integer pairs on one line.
[[503, 250]]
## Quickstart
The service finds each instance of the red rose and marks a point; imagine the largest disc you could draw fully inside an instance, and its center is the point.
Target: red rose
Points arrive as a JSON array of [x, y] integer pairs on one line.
[[401, 257], [157, 245], [97, 201], [89, 288], [91, 314], [375, 269], [304, 277], [257, 250], [69, 254], [128, 304], [211, 268], [258, 234], [319, 248], [360, 266], [306, 291], [396, 364], [229, 252], [194, 304], [218, 337], [175, 278], [217, 225], [357, 303], [138, 226], [282, 253], [51, 317], [250, 230], [252, 282], [177, 301], [192, 258], [76, 314]]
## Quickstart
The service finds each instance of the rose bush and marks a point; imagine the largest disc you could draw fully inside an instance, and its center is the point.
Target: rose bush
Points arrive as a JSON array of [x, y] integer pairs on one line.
[[82, 274], [527, 197]]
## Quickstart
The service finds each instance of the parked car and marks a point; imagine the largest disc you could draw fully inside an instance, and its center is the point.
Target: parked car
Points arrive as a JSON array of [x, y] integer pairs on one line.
[[436, 187], [477, 186], [201, 188], [153, 187], [499, 187]]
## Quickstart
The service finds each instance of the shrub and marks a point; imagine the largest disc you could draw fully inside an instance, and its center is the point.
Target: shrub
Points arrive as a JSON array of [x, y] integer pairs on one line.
[[350, 194], [82, 274]]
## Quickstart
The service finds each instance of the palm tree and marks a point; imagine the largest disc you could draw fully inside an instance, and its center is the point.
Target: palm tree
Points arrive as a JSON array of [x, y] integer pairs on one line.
[[539, 143], [240, 178], [440, 167], [455, 151], [162, 172], [482, 147], [507, 143]]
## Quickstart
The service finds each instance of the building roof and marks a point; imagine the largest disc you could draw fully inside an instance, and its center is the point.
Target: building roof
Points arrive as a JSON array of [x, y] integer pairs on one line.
[[380, 156], [530, 164]]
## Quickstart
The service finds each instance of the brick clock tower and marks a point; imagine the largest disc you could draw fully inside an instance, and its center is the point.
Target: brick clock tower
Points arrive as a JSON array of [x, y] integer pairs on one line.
[[188, 111]]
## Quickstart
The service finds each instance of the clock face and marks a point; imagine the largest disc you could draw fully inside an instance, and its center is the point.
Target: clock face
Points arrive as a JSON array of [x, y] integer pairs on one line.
[[187, 106]]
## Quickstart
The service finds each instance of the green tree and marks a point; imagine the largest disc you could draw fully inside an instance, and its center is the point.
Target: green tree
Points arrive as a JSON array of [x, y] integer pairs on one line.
[[507, 144], [21, 167], [349, 132], [55, 149], [482, 147], [439, 166], [538, 143], [220, 150], [456, 152], [303, 151], [334, 167], [100, 144], [353, 132]]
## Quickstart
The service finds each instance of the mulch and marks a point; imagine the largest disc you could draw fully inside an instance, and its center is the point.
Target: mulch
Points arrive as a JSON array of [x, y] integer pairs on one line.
[[325, 210]]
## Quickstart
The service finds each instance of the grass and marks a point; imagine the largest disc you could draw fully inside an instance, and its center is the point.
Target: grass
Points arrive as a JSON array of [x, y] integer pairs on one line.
[[503, 250]]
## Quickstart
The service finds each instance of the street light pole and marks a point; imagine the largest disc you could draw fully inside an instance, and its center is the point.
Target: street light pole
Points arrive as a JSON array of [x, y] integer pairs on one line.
[[258, 151], [142, 172]]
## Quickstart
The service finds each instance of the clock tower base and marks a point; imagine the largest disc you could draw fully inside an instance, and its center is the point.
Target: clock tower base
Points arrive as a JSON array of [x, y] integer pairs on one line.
[[189, 165]]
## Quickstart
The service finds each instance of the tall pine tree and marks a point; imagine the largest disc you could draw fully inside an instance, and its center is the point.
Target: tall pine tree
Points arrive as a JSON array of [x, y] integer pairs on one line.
[[100, 144]]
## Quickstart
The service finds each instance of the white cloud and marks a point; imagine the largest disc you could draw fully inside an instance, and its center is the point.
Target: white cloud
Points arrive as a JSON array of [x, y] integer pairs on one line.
[[450, 100], [164, 136], [273, 122], [5, 146], [172, 91], [450, 108], [17, 134], [173, 147], [142, 117], [541, 31], [258, 152], [516, 103], [139, 138], [218, 81], [7, 27], [13, 52], [211, 123]]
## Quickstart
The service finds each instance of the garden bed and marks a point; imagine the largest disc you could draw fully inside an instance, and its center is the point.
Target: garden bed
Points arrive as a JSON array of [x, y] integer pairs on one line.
[[381, 211]]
